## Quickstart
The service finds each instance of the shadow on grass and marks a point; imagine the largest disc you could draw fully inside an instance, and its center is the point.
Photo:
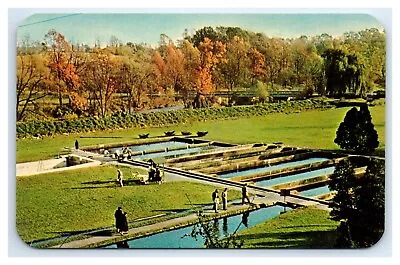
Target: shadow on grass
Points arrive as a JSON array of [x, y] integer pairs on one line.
[[296, 239], [170, 210], [101, 184], [199, 204], [95, 187], [108, 232], [98, 182]]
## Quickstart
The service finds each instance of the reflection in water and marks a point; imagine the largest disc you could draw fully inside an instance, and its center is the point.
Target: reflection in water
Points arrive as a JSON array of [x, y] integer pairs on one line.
[[230, 225], [216, 225], [123, 244], [245, 219], [225, 225]]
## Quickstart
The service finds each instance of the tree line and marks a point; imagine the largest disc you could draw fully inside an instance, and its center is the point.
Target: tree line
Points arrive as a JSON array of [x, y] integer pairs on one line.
[[128, 77]]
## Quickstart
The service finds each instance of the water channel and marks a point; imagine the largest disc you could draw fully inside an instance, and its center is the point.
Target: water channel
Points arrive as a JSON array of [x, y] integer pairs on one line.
[[145, 147], [295, 177], [271, 168], [227, 225], [174, 153], [316, 191]]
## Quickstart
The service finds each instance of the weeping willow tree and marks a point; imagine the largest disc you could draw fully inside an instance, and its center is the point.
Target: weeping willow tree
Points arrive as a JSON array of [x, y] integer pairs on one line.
[[345, 73]]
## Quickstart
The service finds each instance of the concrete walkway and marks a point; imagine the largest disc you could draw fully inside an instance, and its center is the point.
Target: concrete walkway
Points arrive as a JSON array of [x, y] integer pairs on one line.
[[257, 197], [156, 227]]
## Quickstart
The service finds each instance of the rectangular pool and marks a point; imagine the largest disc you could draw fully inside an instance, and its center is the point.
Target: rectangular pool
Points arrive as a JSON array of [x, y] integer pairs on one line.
[[272, 168], [300, 176], [315, 192]]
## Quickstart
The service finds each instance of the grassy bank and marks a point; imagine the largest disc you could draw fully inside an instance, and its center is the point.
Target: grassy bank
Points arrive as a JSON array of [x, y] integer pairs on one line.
[[312, 128], [299, 228], [55, 204], [158, 119]]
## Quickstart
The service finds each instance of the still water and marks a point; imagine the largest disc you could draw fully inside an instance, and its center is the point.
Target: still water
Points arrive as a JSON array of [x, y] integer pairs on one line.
[[227, 225]]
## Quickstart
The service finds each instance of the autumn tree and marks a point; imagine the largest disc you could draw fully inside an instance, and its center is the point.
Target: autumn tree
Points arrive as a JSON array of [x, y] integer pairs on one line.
[[276, 57], [191, 65], [210, 55], [257, 65], [202, 34], [369, 45], [62, 71], [32, 75], [237, 63], [174, 68], [135, 78], [101, 81]]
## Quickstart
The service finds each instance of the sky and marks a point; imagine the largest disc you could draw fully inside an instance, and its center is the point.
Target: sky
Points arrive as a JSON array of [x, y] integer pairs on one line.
[[86, 28]]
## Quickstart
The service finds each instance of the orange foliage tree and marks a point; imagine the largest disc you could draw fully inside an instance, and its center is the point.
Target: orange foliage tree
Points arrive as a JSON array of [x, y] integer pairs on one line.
[[257, 65], [191, 66], [62, 71], [174, 68], [211, 53], [234, 71]]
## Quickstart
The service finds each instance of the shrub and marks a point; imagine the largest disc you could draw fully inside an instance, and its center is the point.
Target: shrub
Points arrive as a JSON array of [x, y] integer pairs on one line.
[[122, 120]]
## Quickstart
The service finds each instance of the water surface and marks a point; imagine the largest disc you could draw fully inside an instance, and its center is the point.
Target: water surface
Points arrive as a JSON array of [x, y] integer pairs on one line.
[[176, 238], [271, 168], [295, 177]]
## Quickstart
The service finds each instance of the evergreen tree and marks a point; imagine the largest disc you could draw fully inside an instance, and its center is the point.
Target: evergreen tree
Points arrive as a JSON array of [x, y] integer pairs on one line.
[[357, 131], [342, 181], [368, 223], [359, 204]]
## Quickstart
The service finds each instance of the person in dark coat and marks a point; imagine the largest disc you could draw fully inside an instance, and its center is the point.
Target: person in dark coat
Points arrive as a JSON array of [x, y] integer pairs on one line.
[[76, 144], [157, 177], [215, 198], [224, 196], [152, 172], [124, 223], [118, 219], [245, 194]]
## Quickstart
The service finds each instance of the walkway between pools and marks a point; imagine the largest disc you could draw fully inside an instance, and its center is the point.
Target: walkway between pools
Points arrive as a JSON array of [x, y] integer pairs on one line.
[[111, 236], [260, 197]]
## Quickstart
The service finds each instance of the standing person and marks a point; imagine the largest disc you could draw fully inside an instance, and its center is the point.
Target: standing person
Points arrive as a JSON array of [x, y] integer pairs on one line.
[[157, 177], [118, 219], [124, 223], [151, 172], [120, 178], [215, 197], [224, 196], [245, 194], [76, 144]]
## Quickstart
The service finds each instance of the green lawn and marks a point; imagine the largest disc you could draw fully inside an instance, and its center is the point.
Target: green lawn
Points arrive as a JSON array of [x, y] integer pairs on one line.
[[299, 228], [314, 129], [52, 204]]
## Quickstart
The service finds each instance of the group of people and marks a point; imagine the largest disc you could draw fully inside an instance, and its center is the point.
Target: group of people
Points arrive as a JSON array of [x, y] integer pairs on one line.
[[224, 196], [154, 173], [121, 223], [215, 198]]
